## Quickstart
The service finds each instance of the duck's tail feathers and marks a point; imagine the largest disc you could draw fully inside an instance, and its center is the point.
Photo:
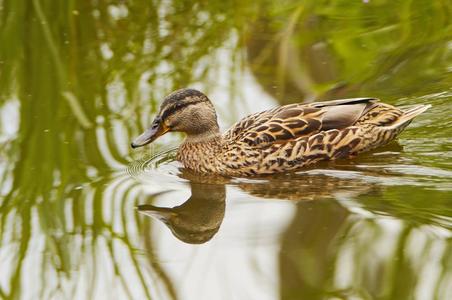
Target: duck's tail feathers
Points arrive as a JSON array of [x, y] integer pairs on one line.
[[416, 110], [409, 115]]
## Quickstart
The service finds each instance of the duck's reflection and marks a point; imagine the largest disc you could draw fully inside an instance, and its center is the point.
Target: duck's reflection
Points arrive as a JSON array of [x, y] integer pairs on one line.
[[198, 219]]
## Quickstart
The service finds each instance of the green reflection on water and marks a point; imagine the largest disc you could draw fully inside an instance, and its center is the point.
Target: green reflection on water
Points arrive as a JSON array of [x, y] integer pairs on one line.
[[78, 79]]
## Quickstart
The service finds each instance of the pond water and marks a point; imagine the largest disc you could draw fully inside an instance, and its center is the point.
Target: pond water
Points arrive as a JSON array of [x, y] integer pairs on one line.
[[83, 216]]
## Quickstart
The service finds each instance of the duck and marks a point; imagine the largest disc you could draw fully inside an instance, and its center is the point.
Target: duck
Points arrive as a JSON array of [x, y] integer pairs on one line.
[[281, 139]]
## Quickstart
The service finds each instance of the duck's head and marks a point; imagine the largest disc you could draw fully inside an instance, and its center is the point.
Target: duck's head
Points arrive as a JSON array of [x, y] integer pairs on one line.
[[185, 110]]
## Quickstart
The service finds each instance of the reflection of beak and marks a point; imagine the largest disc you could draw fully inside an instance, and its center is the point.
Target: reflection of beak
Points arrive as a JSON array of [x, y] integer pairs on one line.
[[157, 129], [161, 213]]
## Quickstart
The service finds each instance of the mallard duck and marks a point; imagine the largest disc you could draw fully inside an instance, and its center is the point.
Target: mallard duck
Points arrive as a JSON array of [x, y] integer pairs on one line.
[[281, 139]]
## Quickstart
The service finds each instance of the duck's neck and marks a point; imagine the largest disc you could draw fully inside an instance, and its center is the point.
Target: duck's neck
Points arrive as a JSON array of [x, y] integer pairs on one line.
[[200, 152], [205, 137]]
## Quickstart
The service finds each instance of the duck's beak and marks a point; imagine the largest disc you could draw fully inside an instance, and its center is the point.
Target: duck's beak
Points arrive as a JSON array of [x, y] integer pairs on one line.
[[157, 129]]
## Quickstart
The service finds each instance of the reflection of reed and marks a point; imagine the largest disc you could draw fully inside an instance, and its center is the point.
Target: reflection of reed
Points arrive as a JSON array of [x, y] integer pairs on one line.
[[75, 100], [325, 53], [307, 254], [329, 252], [81, 69]]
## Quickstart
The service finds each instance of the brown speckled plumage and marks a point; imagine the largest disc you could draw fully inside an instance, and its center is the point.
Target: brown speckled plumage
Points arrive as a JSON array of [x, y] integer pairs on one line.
[[282, 139]]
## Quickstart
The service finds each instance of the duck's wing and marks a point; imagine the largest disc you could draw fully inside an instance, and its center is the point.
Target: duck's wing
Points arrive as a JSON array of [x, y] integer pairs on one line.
[[294, 121]]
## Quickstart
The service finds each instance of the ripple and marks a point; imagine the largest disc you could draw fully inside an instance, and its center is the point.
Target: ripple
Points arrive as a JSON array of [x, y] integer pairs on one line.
[[157, 168]]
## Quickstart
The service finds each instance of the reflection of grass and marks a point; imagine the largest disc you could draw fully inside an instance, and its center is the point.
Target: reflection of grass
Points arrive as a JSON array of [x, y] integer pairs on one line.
[[73, 126], [344, 49], [50, 52], [327, 251], [93, 237], [70, 98], [408, 203]]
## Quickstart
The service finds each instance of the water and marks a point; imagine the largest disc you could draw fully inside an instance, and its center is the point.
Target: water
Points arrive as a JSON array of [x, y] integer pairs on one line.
[[83, 216]]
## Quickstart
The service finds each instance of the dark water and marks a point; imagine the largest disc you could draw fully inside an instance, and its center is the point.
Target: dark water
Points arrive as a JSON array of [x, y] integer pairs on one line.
[[80, 79]]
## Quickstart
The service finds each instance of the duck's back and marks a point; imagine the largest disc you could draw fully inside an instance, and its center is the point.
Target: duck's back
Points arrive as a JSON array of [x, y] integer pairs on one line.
[[293, 136]]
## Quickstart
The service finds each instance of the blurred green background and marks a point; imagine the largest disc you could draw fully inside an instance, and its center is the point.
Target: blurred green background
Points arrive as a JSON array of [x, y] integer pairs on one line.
[[80, 79]]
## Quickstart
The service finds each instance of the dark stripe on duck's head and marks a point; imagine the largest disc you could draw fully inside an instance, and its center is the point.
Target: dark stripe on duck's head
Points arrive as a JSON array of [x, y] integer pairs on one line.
[[181, 95], [177, 107], [181, 99]]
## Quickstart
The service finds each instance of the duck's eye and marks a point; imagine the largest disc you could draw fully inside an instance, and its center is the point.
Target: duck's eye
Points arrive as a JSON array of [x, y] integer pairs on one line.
[[167, 123]]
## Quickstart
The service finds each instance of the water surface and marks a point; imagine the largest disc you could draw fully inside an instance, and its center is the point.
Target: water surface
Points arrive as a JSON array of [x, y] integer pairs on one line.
[[83, 216]]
